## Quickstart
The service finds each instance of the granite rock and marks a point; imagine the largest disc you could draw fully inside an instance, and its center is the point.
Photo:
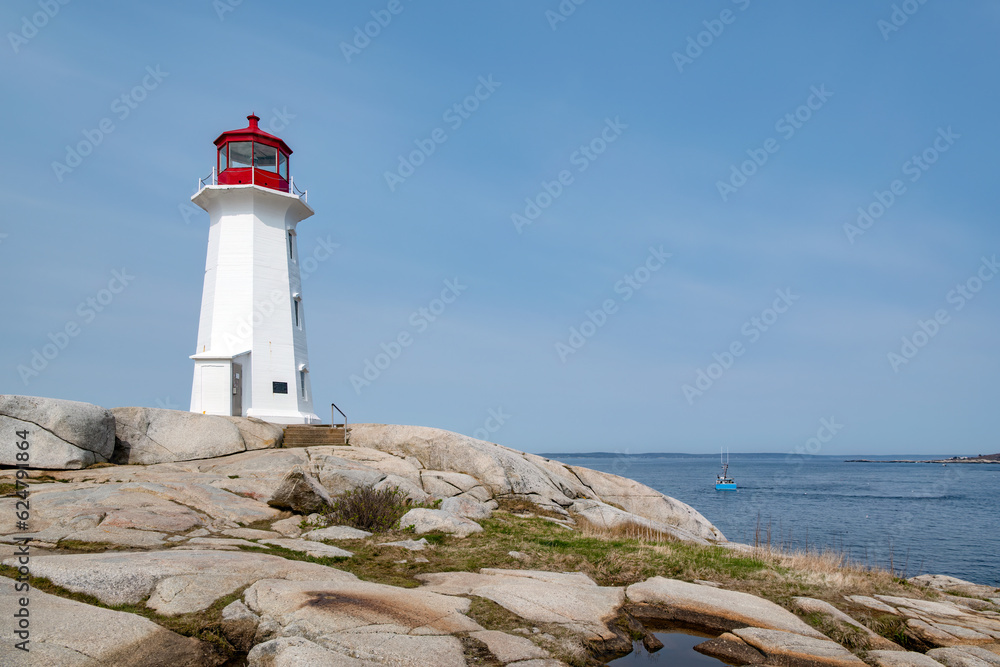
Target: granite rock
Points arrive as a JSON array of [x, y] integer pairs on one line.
[[154, 435], [572, 600], [730, 649], [175, 582], [965, 656], [300, 492], [668, 600], [336, 533], [948, 584], [66, 632], [61, 434], [790, 649], [428, 520], [904, 659], [509, 648]]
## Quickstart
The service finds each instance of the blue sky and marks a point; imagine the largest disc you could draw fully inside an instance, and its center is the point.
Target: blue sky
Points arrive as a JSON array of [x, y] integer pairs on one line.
[[641, 122]]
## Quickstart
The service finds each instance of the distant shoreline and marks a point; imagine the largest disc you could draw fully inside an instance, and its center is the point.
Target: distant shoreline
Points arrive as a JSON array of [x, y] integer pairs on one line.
[[989, 458], [978, 459]]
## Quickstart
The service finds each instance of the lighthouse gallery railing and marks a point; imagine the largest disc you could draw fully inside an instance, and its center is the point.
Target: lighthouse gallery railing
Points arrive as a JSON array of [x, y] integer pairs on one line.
[[213, 179]]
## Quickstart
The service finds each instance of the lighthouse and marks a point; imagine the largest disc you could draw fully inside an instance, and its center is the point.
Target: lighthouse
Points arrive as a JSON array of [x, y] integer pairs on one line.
[[251, 358]]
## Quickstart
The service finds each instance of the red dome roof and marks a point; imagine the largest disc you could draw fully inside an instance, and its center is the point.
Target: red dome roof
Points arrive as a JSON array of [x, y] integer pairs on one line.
[[251, 156], [253, 133]]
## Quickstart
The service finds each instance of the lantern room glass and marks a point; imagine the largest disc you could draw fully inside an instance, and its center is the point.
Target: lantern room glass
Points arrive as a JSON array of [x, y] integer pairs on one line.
[[240, 154], [258, 156], [265, 157]]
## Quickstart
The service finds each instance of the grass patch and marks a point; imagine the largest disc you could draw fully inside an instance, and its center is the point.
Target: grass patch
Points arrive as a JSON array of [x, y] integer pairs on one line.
[[891, 627], [42, 478], [7, 488], [489, 614], [846, 635]]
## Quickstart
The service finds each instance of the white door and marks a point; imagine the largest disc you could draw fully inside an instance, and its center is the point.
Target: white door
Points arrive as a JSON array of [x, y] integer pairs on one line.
[[216, 391]]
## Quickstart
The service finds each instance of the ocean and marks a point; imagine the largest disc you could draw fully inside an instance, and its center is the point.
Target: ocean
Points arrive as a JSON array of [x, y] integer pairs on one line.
[[920, 517]]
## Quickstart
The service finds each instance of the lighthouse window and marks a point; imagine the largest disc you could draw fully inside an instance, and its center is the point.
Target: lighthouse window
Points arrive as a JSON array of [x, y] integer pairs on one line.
[[283, 165], [296, 302], [302, 382], [240, 153], [223, 163], [265, 157]]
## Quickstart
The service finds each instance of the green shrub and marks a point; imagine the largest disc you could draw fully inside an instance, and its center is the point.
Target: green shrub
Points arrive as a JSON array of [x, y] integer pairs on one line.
[[369, 509]]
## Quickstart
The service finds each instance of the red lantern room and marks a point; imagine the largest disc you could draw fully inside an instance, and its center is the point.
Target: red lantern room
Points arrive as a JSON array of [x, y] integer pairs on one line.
[[251, 156]]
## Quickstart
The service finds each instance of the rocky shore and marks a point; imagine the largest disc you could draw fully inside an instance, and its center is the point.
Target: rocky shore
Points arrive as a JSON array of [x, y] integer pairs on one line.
[[158, 537]]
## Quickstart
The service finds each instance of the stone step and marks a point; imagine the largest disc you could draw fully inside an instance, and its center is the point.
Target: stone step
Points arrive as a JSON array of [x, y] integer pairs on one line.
[[314, 436], [313, 443], [330, 440], [314, 439]]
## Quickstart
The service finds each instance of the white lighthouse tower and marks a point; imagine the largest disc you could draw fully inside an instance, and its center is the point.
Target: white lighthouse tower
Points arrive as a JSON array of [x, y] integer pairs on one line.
[[252, 359]]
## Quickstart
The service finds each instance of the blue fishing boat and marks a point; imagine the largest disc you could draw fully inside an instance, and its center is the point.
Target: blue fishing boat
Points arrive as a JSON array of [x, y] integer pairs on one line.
[[724, 482]]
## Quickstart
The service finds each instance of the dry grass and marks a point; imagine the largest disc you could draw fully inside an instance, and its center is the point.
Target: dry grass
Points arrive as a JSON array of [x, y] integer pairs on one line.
[[627, 530], [846, 635], [828, 574], [889, 626]]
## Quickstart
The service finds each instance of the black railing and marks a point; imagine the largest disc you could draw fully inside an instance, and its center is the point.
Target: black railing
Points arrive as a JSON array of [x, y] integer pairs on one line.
[[304, 196], [333, 422]]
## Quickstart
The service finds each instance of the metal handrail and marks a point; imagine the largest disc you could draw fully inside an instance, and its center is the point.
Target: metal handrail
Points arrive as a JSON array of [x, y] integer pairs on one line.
[[333, 406], [305, 198]]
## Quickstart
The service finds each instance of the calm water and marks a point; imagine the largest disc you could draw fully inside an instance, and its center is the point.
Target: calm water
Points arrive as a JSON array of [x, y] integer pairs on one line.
[[678, 651], [927, 518]]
